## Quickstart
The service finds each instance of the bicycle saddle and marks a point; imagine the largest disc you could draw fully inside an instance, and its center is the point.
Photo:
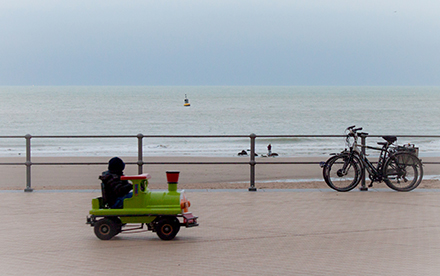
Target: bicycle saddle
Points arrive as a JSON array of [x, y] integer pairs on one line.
[[390, 139]]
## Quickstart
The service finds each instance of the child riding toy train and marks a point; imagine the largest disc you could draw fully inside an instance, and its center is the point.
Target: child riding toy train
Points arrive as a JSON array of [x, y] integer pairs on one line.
[[163, 212]]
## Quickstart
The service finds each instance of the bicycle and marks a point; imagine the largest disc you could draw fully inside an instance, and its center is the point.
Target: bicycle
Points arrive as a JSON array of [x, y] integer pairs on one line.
[[398, 166]]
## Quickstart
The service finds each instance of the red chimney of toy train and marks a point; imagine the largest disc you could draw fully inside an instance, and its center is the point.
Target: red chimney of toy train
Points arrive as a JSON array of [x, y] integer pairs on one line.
[[172, 178]]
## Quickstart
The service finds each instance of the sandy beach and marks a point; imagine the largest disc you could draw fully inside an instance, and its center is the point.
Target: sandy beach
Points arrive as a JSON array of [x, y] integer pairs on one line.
[[234, 173]]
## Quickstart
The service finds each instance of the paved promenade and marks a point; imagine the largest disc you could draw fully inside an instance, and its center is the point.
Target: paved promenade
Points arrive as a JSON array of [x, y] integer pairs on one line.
[[289, 232]]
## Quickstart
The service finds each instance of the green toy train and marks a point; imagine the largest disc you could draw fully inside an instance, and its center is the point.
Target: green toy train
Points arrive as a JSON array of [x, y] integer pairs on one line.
[[163, 212]]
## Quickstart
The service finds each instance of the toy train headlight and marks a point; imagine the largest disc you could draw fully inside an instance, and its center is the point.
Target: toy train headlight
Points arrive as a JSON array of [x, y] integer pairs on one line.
[[184, 202]]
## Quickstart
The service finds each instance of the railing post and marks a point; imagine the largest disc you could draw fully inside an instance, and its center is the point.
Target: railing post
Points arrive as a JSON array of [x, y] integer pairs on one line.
[[252, 163], [28, 163], [363, 143], [140, 161]]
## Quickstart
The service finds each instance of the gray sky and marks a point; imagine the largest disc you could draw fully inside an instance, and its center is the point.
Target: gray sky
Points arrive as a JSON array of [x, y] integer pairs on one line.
[[220, 42]]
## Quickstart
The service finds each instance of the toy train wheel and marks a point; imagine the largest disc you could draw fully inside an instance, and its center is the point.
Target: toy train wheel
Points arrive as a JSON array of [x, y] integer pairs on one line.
[[167, 228], [106, 228]]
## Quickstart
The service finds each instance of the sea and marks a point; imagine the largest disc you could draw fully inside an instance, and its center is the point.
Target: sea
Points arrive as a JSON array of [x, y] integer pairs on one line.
[[215, 111]]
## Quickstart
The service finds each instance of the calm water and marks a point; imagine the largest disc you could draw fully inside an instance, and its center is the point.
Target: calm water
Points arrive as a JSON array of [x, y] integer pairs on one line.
[[96, 110]]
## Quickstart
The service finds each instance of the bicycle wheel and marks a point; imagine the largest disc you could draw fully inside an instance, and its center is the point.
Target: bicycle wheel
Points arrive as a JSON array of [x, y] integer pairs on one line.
[[403, 172], [342, 174]]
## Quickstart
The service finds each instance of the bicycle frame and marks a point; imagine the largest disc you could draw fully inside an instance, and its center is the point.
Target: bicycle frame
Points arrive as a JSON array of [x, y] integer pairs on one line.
[[358, 151]]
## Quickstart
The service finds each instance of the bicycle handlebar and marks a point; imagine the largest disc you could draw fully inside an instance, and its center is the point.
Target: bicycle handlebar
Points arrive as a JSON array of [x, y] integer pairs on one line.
[[353, 129], [353, 132]]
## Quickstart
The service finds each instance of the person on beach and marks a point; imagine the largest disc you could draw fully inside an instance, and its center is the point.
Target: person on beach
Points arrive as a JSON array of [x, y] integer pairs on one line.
[[269, 150], [116, 190], [243, 153]]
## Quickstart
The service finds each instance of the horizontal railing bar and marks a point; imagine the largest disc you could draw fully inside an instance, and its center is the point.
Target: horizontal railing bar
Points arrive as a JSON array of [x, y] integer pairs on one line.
[[298, 136], [411, 136], [209, 163], [144, 163], [183, 163], [12, 136], [77, 163], [135, 136], [194, 163], [209, 136], [84, 136], [288, 162]]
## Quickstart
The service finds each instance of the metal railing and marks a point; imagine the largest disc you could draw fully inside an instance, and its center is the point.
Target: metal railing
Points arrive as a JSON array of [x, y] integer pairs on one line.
[[140, 162]]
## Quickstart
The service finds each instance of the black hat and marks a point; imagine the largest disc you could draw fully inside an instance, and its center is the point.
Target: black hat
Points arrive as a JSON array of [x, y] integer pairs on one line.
[[116, 165]]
